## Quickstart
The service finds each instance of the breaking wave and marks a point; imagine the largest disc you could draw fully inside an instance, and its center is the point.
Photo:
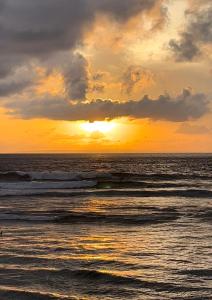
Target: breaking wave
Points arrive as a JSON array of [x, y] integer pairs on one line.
[[58, 183], [94, 175]]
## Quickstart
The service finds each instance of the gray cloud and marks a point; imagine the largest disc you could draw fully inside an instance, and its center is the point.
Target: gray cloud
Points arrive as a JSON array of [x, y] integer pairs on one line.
[[133, 76], [8, 65], [44, 26], [13, 87], [184, 49], [42, 29], [197, 33], [17, 81], [97, 84], [99, 76], [97, 88], [122, 9], [76, 77], [184, 107]]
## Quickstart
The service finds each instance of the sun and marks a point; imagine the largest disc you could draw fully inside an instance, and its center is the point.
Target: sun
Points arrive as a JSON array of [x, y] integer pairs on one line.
[[98, 126]]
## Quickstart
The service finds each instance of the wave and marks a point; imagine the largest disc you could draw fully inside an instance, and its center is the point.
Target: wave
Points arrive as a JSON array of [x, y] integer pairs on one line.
[[29, 218], [118, 219], [107, 277], [205, 215], [198, 272], [78, 217], [189, 193], [93, 278], [94, 175], [52, 176], [67, 184], [14, 176], [10, 293], [47, 185], [161, 176]]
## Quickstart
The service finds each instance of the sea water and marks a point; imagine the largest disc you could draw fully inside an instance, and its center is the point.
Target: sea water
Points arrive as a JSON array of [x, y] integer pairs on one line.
[[106, 226]]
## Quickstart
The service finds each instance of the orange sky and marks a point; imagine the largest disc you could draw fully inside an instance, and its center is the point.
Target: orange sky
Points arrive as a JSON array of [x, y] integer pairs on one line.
[[119, 61]]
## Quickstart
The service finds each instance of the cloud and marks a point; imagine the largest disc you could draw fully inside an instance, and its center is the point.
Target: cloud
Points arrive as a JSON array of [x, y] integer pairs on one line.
[[136, 76], [13, 87], [97, 88], [45, 26], [76, 77], [9, 66], [97, 83], [38, 30], [193, 129], [122, 9], [17, 81], [184, 49], [197, 33], [99, 76], [186, 106]]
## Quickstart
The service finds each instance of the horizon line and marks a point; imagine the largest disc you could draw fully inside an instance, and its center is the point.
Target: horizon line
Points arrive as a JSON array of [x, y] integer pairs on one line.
[[76, 153]]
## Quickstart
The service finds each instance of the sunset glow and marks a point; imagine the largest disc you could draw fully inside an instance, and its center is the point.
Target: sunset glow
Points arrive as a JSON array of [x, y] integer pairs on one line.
[[147, 62], [103, 127], [105, 149]]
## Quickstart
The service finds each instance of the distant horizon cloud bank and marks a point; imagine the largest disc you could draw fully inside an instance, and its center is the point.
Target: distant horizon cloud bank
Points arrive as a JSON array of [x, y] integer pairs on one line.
[[186, 106]]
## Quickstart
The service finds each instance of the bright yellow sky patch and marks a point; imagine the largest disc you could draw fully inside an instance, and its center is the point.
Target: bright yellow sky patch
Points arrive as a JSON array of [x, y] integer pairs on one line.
[[52, 84], [103, 127]]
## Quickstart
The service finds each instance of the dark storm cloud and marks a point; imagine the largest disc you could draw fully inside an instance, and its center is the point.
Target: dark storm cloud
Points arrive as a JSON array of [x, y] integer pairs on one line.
[[43, 28], [197, 33], [13, 87], [122, 9], [76, 77], [7, 66], [184, 107], [185, 49]]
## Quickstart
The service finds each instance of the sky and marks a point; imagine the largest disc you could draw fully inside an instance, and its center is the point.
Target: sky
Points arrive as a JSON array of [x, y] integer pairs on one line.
[[105, 76]]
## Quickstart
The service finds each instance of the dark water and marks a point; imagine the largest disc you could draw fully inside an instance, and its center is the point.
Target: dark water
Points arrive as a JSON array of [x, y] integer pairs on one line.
[[106, 227]]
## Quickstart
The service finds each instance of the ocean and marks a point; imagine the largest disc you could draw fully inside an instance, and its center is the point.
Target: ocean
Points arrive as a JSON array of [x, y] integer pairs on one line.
[[106, 226]]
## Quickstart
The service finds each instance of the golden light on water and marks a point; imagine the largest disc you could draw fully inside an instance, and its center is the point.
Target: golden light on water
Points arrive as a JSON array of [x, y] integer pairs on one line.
[[98, 126]]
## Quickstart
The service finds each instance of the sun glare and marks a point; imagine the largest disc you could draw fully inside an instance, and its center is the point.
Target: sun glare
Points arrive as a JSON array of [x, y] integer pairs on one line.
[[100, 126]]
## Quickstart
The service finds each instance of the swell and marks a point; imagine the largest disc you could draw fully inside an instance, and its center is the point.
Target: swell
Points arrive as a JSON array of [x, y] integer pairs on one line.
[[205, 215], [119, 219], [189, 193], [80, 217], [11, 176], [13, 293], [27, 261], [197, 272], [68, 184], [97, 279], [161, 176], [33, 185]]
